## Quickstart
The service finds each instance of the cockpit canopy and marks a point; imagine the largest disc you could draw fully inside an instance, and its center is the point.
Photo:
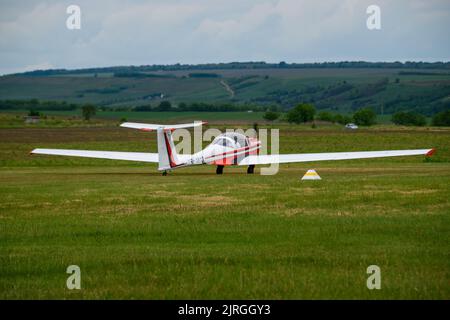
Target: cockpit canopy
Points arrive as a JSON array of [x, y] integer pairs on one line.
[[232, 140]]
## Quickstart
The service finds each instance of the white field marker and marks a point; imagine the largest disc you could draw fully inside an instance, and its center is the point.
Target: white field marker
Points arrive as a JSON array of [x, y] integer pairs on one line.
[[311, 175]]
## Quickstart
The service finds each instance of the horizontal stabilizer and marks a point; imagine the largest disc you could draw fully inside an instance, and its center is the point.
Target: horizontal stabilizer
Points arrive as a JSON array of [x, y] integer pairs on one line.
[[151, 127]]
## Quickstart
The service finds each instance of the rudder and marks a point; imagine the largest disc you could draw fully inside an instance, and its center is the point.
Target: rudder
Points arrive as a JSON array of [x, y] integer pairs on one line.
[[167, 154]]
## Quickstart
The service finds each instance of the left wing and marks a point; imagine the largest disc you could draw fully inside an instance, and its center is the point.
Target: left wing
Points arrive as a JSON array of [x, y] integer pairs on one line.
[[308, 157], [113, 155]]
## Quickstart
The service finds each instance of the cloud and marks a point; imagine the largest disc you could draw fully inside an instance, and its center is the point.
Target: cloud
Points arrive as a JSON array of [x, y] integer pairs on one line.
[[127, 32]]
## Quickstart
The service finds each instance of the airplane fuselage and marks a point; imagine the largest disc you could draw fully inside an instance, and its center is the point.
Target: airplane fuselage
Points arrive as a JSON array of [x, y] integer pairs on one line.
[[225, 150]]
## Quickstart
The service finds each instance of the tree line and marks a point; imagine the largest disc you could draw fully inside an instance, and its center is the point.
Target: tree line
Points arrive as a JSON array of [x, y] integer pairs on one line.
[[305, 112], [301, 113], [36, 104], [164, 106], [245, 65]]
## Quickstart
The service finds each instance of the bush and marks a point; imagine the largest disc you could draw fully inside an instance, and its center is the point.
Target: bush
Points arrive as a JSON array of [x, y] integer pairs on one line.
[[88, 110], [164, 106], [339, 118], [326, 116], [409, 119], [301, 113], [365, 117], [442, 119], [271, 116], [143, 108], [34, 113]]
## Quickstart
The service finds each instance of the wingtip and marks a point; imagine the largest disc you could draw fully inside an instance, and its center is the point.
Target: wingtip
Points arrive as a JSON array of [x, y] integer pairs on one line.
[[431, 152], [125, 124]]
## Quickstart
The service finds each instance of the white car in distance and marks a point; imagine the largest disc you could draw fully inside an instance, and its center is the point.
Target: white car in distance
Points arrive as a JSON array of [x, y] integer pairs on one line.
[[351, 126]]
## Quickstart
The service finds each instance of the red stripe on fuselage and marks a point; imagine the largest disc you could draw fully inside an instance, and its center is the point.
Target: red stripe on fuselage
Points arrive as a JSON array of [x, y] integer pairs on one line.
[[231, 157], [169, 151], [233, 151]]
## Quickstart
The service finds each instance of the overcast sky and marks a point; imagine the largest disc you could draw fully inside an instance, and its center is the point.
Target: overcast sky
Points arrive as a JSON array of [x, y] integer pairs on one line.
[[33, 33]]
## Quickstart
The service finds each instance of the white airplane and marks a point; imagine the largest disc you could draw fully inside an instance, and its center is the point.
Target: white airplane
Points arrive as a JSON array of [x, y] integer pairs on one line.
[[225, 150]]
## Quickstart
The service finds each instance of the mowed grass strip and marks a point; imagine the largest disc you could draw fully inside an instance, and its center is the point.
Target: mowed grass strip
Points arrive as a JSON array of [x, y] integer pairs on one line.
[[139, 235]]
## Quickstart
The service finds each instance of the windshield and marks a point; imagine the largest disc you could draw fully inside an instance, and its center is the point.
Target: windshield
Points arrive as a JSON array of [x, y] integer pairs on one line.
[[226, 142], [231, 139]]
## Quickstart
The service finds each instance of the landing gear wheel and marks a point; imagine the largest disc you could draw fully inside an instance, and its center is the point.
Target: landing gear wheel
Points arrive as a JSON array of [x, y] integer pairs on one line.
[[164, 173], [219, 170], [251, 169]]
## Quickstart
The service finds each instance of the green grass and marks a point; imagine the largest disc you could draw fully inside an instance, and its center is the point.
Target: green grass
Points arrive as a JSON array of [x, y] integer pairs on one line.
[[136, 234]]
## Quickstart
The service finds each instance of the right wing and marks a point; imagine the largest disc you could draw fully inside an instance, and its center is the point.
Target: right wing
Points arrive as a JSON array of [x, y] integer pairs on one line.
[[113, 155], [152, 127], [307, 157]]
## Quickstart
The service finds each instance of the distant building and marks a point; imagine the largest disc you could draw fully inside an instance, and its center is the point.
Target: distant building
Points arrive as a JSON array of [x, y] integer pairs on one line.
[[32, 119]]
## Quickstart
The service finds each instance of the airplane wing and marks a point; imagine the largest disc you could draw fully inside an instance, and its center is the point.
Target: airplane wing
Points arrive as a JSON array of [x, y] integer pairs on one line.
[[309, 157], [151, 127], [114, 155]]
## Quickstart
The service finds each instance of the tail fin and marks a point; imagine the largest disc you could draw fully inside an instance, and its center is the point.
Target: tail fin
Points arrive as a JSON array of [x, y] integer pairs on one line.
[[167, 155], [168, 158]]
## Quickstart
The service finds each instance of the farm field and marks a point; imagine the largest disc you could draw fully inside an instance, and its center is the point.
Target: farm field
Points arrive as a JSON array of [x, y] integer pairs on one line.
[[195, 235]]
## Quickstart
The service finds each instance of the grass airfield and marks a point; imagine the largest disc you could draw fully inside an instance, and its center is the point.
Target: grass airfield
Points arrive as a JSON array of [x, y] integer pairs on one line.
[[194, 235]]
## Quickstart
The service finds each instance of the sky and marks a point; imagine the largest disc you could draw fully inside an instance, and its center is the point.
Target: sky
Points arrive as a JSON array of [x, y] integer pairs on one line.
[[34, 35]]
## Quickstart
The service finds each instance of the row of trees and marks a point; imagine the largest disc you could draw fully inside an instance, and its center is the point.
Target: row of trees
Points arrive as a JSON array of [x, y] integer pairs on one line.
[[87, 111], [164, 105], [307, 112], [37, 105], [365, 117], [200, 107], [440, 119], [300, 114], [409, 119], [246, 65], [362, 117]]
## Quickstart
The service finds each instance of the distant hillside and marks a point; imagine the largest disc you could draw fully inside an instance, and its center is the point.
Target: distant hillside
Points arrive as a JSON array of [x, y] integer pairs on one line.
[[246, 65], [339, 86]]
